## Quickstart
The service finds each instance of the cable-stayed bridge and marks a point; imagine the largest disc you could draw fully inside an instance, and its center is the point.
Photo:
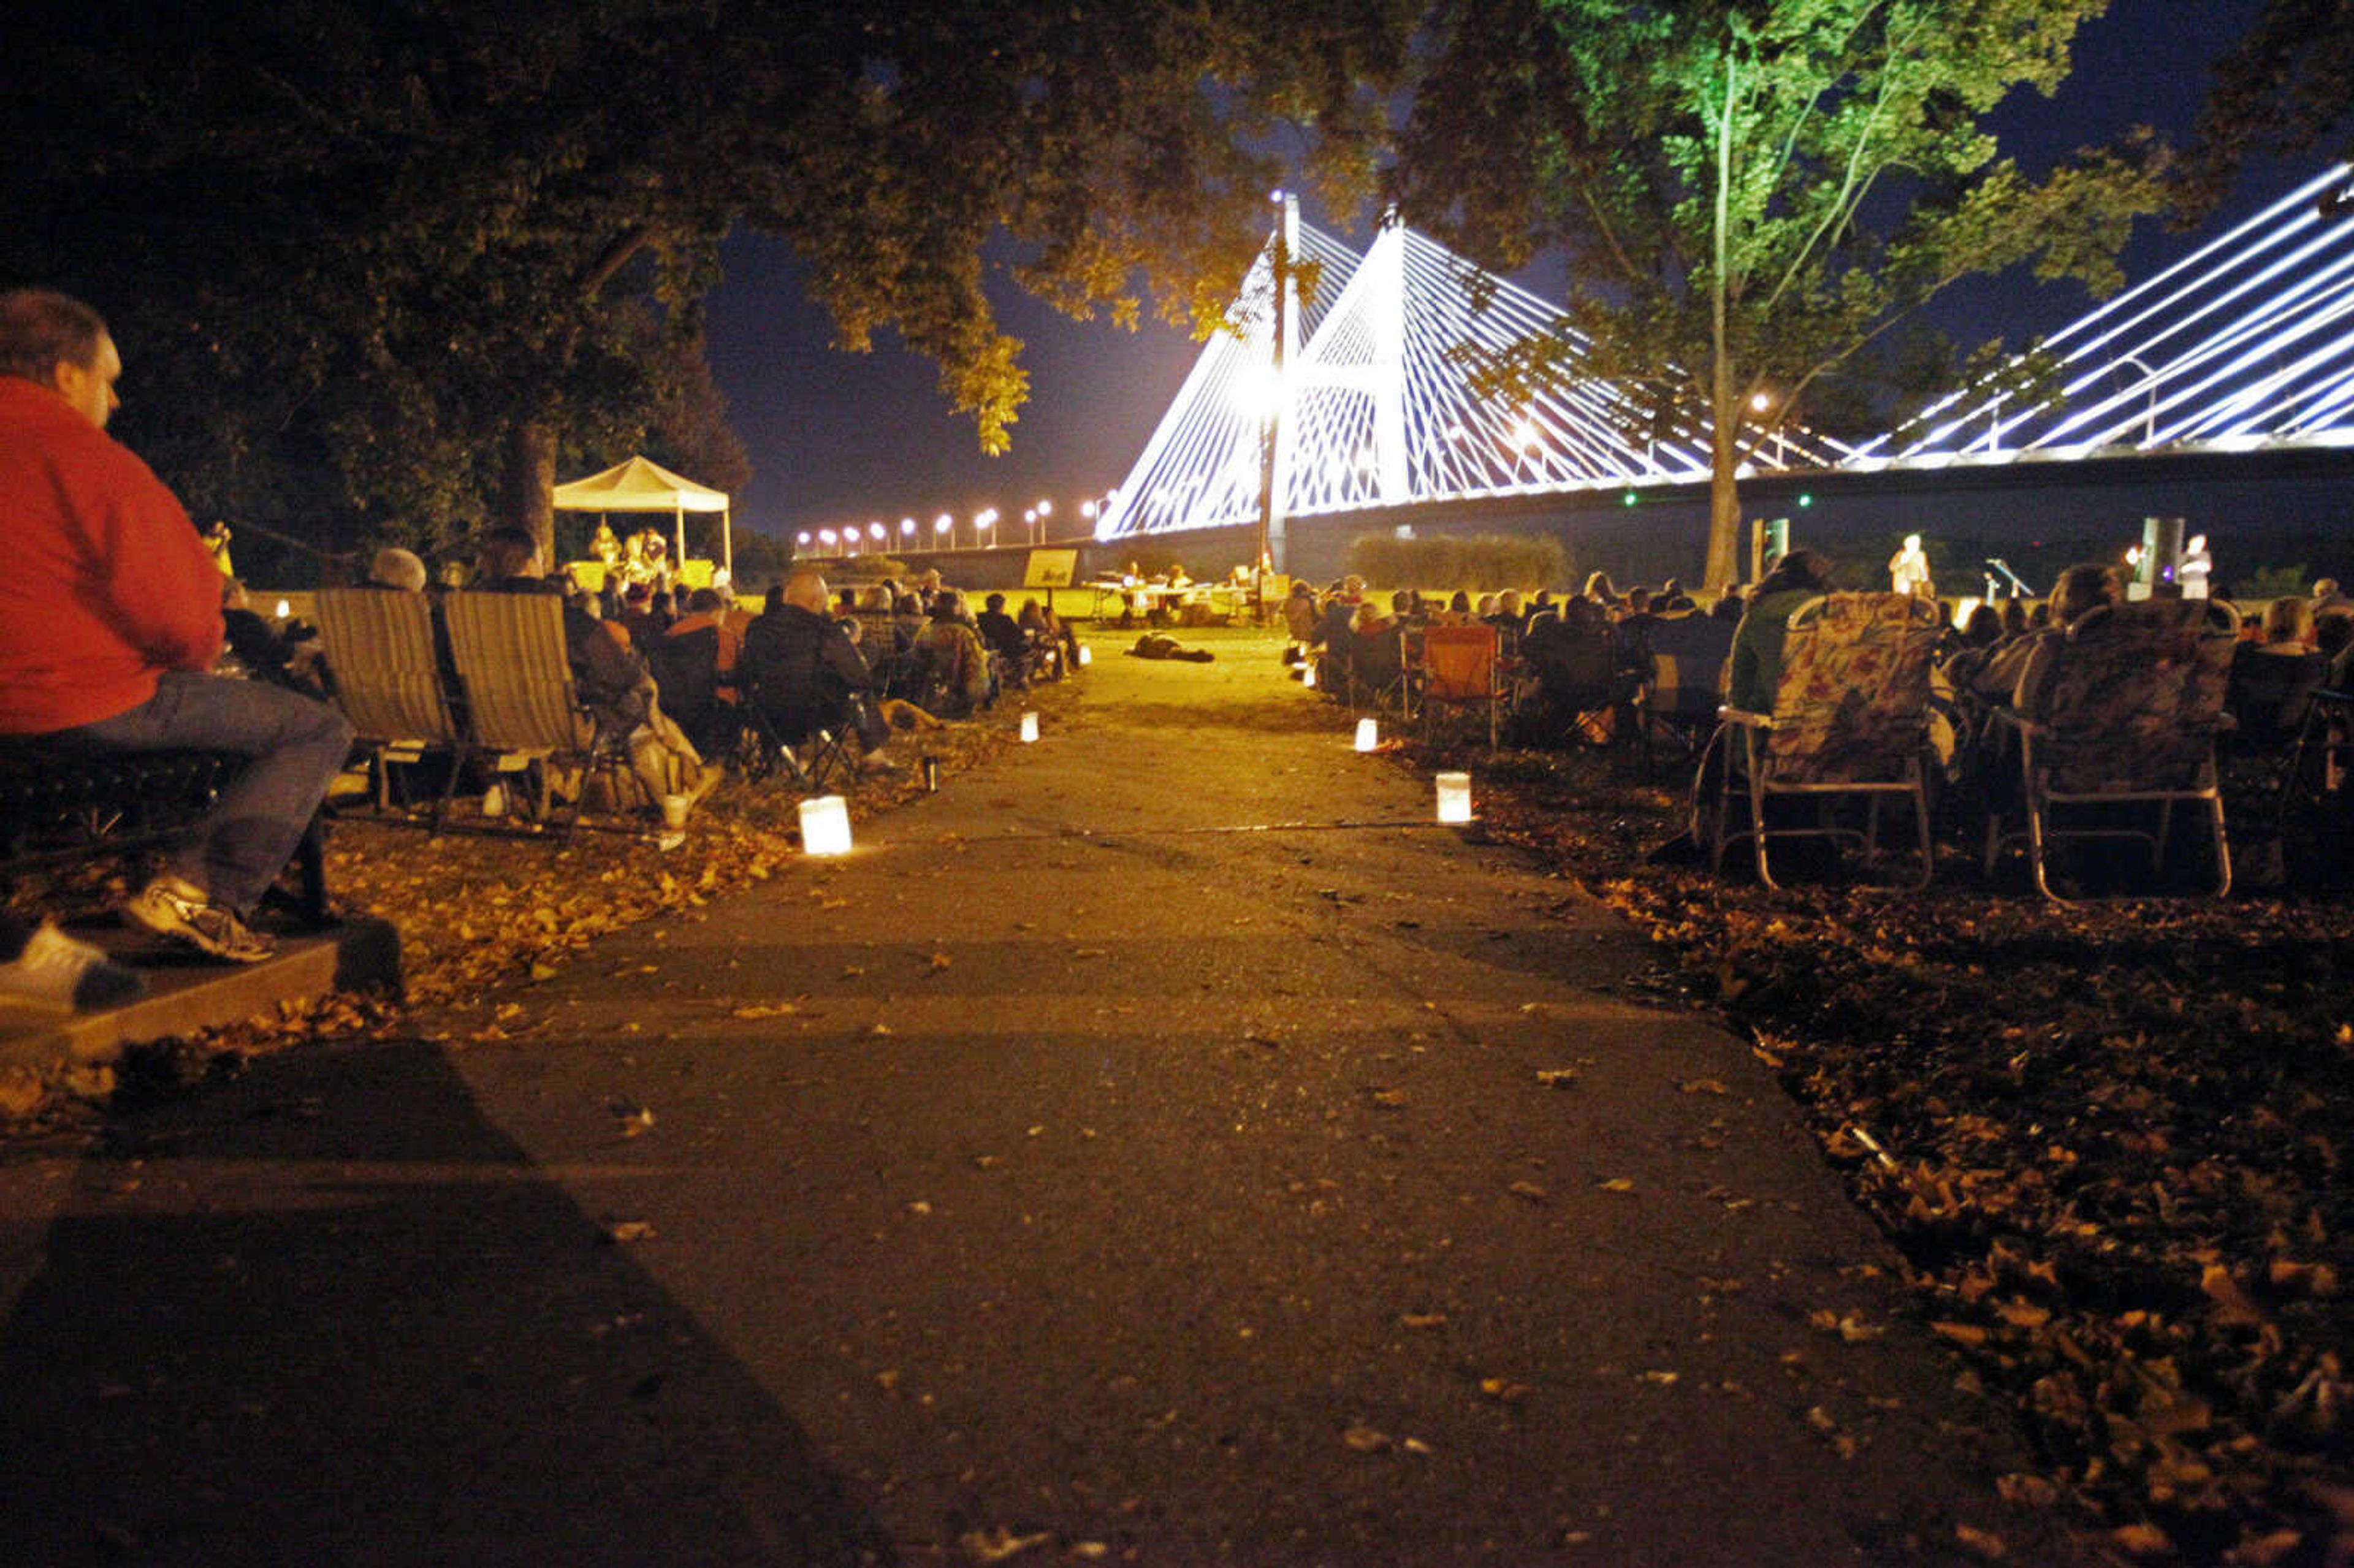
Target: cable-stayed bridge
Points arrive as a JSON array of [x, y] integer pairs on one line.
[[2246, 344]]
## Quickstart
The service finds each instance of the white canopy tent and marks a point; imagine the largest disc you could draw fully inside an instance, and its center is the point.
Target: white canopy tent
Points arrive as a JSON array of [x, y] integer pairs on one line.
[[641, 485]]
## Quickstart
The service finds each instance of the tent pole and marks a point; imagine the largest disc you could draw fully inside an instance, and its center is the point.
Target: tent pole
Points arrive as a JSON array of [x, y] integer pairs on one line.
[[727, 542]]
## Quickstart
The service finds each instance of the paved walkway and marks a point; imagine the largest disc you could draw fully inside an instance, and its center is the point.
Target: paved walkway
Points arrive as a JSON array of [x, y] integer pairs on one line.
[[1168, 1144]]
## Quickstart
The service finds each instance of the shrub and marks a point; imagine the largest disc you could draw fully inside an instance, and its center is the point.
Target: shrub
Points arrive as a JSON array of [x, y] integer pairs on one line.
[[1477, 563]]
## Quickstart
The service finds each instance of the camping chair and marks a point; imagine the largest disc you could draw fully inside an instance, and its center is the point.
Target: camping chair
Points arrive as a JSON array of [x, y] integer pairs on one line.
[[517, 674], [786, 729], [1685, 685], [2316, 812], [1377, 670], [1850, 721], [685, 669], [2128, 715], [1579, 683], [388, 683], [1460, 669]]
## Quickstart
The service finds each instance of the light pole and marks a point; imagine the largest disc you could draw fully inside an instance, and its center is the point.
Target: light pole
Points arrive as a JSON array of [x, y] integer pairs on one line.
[[1275, 433], [1045, 510], [943, 532], [2149, 378]]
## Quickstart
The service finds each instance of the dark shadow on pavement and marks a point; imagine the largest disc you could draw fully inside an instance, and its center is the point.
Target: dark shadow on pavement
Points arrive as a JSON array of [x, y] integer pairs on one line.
[[327, 1314]]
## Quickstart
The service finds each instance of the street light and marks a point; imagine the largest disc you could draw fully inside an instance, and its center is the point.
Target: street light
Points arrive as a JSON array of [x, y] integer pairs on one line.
[[1045, 510], [906, 527], [943, 525], [829, 535], [2149, 419]]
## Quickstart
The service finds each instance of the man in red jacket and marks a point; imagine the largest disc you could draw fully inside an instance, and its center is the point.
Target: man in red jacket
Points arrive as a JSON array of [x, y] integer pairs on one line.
[[112, 619]]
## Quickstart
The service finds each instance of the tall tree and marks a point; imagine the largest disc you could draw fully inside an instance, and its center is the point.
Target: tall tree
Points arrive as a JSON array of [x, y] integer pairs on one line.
[[2286, 88], [1750, 193], [379, 261]]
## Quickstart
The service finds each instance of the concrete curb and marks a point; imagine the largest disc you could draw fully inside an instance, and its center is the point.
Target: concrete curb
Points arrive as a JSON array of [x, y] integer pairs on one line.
[[186, 996]]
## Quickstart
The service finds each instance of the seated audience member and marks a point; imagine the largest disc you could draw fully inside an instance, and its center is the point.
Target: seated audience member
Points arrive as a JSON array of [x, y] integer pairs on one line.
[[607, 675], [257, 651], [1730, 605], [2272, 679], [1510, 617], [693, 665], [1571, 654], [1756, 664], [1059, 632], [39, 963], [950, 663], [1003, 636], [1045, 644], [804, 675], [112, 605], [1300, 614], [637, 615], [1598, 589], [2082, 589], [396, 570], [1973, 643], [2333, 629], [907, 621]]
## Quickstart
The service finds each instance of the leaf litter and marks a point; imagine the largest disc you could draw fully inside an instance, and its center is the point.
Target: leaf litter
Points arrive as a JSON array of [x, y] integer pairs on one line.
[[2108, 1141]]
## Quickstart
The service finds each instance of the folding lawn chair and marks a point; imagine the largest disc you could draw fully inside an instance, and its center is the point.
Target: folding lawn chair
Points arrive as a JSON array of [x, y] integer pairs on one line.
[[389, 682], [2127, 717], [1460, 670], [516, 669], [1850, 723]]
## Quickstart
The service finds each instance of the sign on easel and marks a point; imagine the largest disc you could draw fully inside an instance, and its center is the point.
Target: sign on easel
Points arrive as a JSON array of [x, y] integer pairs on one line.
[[1050, 568]]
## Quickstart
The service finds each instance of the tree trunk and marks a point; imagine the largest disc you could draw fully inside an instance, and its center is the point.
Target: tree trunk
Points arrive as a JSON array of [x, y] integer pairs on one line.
[[1724, 499], [1725, 404], [528, 501]]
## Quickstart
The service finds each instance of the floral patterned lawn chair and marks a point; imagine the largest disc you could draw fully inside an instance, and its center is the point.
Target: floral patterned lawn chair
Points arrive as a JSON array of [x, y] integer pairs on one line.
[[2127, 717], [1850, 722]]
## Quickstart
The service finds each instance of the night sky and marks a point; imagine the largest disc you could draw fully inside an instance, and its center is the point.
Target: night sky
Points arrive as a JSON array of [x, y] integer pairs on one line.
[[839, 438]]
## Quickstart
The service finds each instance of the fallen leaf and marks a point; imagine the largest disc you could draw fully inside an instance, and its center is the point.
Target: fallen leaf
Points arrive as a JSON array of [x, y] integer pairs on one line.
[[1702, 1087], [999, 1544], [1981, 1542], [1365, 1440], [1528, 1190]]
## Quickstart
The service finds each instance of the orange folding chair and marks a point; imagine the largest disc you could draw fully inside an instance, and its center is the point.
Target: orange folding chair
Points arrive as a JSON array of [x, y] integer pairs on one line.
[[1461, 671]]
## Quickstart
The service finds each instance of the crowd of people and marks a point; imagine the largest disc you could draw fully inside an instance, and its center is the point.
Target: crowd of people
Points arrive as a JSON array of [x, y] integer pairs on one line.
[[1587, 663], [128, 636]]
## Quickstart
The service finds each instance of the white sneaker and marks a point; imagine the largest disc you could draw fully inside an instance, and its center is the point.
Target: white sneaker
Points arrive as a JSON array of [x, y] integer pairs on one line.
[[172, 907], [877, 762], [59, 972]]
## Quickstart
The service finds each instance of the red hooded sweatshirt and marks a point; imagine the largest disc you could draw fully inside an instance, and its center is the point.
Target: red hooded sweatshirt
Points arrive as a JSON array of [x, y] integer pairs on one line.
[[104, 584]]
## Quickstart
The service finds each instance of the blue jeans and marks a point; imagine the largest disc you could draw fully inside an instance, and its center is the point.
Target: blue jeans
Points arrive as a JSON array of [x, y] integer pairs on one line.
[[293, 748]]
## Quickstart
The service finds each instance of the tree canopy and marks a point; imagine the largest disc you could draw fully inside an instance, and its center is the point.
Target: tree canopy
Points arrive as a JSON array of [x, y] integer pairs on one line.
[[1750, 193], [2287, 87], [378, 264]]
